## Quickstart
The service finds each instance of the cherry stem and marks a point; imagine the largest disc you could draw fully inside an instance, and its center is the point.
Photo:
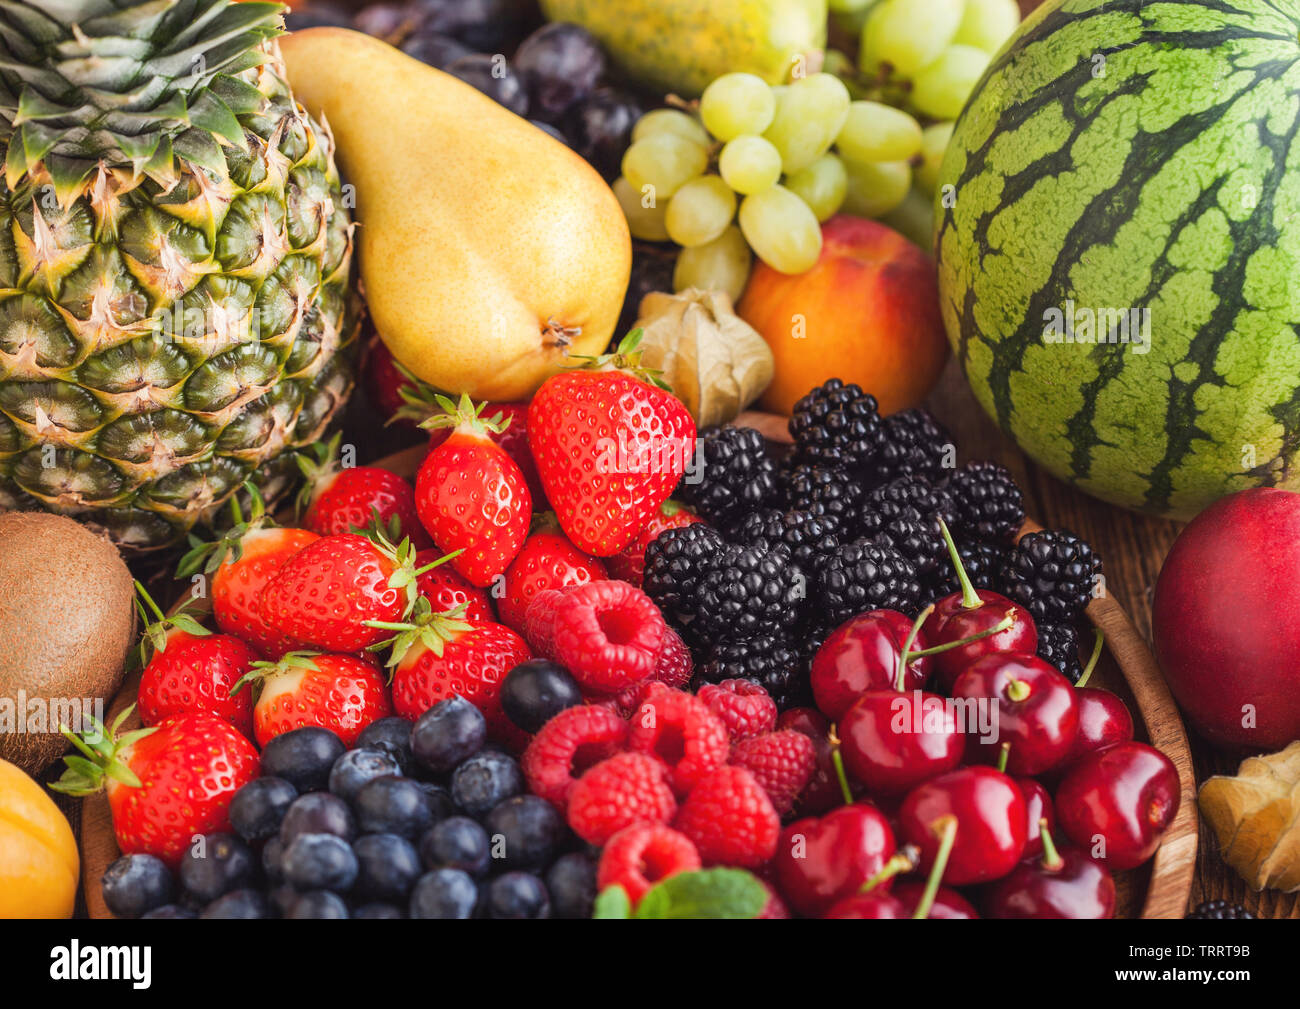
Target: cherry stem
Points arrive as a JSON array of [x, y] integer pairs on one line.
[[838, 760], [1017, 690], [1003, 753], [946, 828], [907, 647], [1052, 860], [1004, 624], [897, 863], [1098, 639], [969, 599]]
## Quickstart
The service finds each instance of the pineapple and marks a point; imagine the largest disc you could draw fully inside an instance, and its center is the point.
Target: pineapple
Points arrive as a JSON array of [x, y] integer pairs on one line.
[[176, 313]]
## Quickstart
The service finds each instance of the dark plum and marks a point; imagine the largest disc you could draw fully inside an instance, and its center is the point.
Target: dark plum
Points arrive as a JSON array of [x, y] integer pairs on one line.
[[601, 128], [560, 64], [494, 77]]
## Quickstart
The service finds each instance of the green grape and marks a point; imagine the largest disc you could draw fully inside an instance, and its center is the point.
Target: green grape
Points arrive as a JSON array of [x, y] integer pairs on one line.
[[700, 211], [908, 34], [665, 162], [720, 265], [848, 6], [941, 89], [671, 121], [645, 223], [821, 185], [735, 104], [781, 229], [876, 132], [934, 142], [986, 24], [876, 189], [913, 219], [809, 114], [749, 164]]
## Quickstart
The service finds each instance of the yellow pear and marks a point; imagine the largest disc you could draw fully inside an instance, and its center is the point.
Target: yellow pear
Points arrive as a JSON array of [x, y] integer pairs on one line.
[[489, 250]]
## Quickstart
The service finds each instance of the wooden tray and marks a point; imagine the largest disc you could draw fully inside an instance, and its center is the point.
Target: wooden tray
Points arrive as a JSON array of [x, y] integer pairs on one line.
[[1158, 889]]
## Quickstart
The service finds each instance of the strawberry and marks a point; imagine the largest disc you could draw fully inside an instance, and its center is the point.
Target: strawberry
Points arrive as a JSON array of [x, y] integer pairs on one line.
[[239, 565], [471, 496], [166, 784], [342, 693], [630, 564], [547, 561], [332, 593], [610, 447], [188, 668], [337, 499], [447, 590]]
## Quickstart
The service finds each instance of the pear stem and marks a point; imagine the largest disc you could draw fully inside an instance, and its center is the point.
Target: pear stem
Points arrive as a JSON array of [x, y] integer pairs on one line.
[[946, 827], [1098, 639]]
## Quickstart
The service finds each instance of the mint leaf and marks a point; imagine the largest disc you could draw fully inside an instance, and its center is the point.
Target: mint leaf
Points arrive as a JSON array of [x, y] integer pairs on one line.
[[612, 903], [707, 893]]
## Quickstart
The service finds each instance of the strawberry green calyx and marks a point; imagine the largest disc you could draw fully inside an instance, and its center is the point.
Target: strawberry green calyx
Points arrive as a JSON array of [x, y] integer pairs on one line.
[[156, 624], [419, 398], [626, 358], [318, 462], [261, 670], [462, 415], [405, 577], [101, 749], [424, 627], [208, 555]]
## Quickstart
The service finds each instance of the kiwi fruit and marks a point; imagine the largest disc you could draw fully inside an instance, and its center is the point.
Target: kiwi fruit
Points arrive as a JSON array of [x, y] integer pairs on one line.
[[67, 624]]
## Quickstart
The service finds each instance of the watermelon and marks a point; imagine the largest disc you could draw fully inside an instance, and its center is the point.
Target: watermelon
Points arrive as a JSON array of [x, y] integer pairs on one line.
[[1118, 236]]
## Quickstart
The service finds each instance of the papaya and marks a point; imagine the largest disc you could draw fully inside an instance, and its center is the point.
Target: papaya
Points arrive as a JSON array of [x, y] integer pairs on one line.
[[679, 46], [39, 865]]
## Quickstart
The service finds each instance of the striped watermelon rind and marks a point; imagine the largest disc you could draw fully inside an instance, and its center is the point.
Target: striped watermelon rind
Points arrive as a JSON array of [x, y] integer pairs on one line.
[[1125, 154]]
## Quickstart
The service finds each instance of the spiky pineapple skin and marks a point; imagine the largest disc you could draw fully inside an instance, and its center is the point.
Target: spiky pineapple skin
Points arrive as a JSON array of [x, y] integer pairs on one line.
[[160, 346]]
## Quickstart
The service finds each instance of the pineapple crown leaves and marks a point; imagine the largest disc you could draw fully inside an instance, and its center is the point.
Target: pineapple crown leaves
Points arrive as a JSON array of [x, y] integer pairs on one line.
[[626, 357], [156, 624], [463, 414], [208, 555], [73, 94], [101, 757], [259, 671], [423, 627]]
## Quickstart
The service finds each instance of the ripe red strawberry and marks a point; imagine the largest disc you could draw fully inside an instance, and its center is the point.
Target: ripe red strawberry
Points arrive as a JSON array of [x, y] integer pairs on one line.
[[630, 564], [609, 447], [166, 784], [342, 693], [446, 590], [547, 561], [341, 499], [472, 497], [384, 380], [781, 762]]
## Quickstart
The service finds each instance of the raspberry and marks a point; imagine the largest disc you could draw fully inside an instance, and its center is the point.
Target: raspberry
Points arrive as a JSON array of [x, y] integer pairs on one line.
[[730, 819], [626, 789], [567, 745], [680, 730], [607, 634], [781, 762], [675, 666], [638, 857], [539, 622], [746, 709], [775, 906]]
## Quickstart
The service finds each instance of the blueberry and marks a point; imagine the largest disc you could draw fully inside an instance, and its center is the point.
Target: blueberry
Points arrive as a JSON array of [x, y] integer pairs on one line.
[[484, 780], [529, 830], [282, 899], [439, 801], [378, 910], [518, 895], [319, 862], [356, 767], [393, 736], [317, 904], [135, 884], [303, 757], [318, 813], [449, 732], [258, 807], [170, 911], [456, 843], [388, 867], [571, 882], [272, 852], [393, 805], [238, 904], [536, 691], [215, 865], [444, 893]]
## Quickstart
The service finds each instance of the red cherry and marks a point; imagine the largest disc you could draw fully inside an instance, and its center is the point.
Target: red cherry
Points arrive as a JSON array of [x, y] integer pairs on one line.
[[1037, 715], [959, 621], [1103, 721], [1064, 883], [948, 903], [986, 813], [1117, 802], [892, 742], [862, 654], [1038, 807], [877, 904], [821, 861]]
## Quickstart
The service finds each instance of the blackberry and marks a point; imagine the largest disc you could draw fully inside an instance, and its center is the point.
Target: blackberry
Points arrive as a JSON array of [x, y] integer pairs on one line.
[[988, 502], [809, 535], [773, 662], [985, 565], [748, 589], [1051, 574], [905, 513], [835, 494], [1219, 909], [674, 562], [836, 425], [867, 576], [912, 443], [735, 476], [919, 539], [1058, 644]]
